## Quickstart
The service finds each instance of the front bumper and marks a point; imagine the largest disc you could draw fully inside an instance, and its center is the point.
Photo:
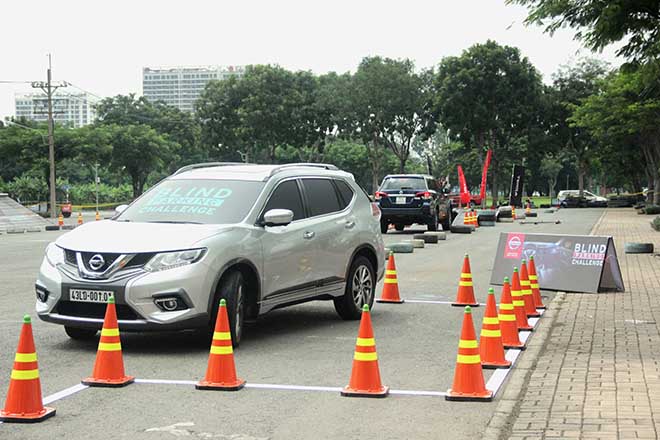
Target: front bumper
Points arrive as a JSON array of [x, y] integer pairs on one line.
[[134, 297], [407, 215]]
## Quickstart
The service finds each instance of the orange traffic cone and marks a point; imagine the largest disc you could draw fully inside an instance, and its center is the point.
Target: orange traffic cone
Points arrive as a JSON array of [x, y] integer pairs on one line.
[[534, 280], [513, 212], [467, 219], [221, 370], [98, 216], [365, 376], [475, 219], [528, 209], [465, 294], [109, 366], [24, 404], [390, 284], [526, 287], [60, 220], [80, 218], [491, 349], [468, 376], [519, 303], [507, 317]]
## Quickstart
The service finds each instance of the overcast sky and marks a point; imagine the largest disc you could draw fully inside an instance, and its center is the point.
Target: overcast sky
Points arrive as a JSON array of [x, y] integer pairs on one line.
[[101, 47]]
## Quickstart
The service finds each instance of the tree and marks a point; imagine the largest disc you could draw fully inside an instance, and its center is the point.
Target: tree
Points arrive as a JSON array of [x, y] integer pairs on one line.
[[625, 114], [601, 23], [550, 168], [487, 98], [572, 85], [139, 150], [265, 108]]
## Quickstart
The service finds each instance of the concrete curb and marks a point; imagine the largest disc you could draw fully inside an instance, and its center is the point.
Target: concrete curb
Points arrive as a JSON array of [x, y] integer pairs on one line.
[[499, 426]]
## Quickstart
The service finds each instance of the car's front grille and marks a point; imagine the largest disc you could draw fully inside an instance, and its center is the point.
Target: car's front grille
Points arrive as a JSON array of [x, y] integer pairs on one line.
[[94, 310], [107, 258], [138, 260], [70, 257]]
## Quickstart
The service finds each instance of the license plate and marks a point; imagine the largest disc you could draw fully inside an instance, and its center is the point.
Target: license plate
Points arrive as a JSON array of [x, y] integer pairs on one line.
[[87, 295], [400, 201]]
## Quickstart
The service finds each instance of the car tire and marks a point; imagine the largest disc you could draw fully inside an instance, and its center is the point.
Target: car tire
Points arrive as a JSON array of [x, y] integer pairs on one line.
[[80, 334], [360, 290], [461, 229], [446, 223], [232, 290], [399, 227], [383, 226], [401, 248], [432, 225], [486, 223], [639, 248]]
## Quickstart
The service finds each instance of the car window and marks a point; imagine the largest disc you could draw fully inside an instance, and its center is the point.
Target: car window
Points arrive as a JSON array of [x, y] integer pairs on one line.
[[345, 191], [321, 196], [207, 201], [287, 196], [397, 183]]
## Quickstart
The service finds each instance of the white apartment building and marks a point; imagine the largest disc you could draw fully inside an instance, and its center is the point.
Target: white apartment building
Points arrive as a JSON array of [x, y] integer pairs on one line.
[[181, 86], [70, 109]]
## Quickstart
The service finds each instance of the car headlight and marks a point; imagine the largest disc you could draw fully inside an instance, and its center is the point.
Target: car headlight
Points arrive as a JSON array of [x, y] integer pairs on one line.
[[54, 254], [170, 260]]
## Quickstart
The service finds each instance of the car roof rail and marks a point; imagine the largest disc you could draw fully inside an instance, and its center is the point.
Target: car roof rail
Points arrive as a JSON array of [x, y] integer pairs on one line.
[[325, 166], [195, 166]]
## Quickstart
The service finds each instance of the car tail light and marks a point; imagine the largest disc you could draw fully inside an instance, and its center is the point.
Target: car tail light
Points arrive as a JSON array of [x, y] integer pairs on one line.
[[423, 195], [375, 210], [380, 195]]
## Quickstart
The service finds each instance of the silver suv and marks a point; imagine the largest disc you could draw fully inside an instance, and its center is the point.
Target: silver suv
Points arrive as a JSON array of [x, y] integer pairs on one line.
[[260, 236]]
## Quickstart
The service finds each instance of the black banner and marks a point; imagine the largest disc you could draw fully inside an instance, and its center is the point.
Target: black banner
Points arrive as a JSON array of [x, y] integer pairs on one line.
[[570, 263], [516, 191]]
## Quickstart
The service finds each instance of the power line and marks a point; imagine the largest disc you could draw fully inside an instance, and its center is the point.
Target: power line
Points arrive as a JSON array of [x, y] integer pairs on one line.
[[14, 82], [83, 90]]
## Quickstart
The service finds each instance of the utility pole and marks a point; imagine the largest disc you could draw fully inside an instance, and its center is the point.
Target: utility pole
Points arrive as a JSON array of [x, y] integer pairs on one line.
[[49, 88]]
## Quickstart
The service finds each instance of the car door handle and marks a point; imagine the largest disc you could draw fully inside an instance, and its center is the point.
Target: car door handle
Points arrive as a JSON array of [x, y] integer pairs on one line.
[[309, 235], [349, 224]]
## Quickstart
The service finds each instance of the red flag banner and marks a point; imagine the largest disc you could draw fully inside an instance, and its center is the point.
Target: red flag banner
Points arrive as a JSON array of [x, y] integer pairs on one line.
[[484, 174], [465, 193]]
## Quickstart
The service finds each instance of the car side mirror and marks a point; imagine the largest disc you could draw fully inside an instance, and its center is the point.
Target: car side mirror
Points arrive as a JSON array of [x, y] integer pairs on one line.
[[278, 217], [119, 209]]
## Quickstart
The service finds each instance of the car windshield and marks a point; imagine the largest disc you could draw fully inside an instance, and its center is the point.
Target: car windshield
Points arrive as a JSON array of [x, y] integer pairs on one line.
[[197, 201], [397, 183]]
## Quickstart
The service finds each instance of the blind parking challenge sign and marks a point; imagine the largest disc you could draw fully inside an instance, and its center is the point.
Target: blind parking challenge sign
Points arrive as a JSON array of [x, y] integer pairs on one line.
[[571, 263]]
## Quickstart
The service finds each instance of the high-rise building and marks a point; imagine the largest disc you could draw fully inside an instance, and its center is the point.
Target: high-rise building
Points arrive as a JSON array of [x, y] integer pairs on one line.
[[70, 109], [181, 86]]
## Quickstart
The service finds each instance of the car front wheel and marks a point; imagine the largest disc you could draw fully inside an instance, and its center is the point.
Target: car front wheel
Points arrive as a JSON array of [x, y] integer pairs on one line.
[[232, 290], [360, 290]]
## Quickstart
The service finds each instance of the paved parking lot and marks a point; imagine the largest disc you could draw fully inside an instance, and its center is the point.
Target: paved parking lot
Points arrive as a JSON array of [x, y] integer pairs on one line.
[[306, 345]]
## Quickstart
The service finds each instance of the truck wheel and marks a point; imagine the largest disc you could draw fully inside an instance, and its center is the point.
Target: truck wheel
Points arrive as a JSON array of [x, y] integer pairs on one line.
[[360, 290]]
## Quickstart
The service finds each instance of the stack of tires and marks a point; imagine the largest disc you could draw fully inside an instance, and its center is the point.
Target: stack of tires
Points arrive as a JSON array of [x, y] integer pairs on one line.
[[487, 218]]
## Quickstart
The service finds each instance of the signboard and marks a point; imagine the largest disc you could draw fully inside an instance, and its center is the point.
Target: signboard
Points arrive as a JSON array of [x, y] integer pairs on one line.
[[516, 191], [570, 263]]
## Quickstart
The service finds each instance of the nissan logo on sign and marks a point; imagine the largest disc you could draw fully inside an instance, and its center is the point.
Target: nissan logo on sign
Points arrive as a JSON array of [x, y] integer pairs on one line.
[[96, 262], [514, 243]]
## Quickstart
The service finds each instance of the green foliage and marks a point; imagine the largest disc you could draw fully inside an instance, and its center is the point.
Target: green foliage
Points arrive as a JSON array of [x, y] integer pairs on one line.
[[651, 209], [86, 193], [600, 23], [28, 187], [655, 223]]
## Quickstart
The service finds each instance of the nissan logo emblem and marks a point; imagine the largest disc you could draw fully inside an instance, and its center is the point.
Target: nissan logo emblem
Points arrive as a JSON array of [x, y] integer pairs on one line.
[[514, 243], [96, 262]]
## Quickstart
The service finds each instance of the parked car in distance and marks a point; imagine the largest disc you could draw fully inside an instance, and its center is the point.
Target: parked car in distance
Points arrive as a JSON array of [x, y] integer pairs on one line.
[[260, 236], [569, 198], [405, 199]]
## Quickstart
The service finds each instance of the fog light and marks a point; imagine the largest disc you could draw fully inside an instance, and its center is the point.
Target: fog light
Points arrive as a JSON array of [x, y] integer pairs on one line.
[[168, 304], [42, 294]]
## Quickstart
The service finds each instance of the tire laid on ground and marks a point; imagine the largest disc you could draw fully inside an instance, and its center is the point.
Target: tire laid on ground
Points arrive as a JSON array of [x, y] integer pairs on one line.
[[440, 234], [486, 223], [417, 243], [461, 229], [52, 228], [487, 215], [639, 248], [544, 205], [427, 238], [401, 248], [360, 290], [533, 214], [549, 211], [505, 220], [80, 334], [232, 289]]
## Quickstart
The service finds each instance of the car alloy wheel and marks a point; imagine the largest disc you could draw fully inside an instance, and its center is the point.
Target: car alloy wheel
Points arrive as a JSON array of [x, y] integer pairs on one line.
[[362, 286]]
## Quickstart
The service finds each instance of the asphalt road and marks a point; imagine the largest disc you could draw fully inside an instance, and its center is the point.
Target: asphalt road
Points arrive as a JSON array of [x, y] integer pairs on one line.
[[303, 345]]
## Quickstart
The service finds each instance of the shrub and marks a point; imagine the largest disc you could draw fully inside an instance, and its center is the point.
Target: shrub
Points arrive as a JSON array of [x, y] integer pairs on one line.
[[655, 223], [652, 209]]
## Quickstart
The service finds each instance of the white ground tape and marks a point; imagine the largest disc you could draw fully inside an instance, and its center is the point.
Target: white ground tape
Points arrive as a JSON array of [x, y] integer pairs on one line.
[[64, 393], [424, 301], [270, 386]]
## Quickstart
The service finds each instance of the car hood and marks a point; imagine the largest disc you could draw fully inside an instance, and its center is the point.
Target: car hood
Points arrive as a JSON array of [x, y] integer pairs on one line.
[[129, 237]]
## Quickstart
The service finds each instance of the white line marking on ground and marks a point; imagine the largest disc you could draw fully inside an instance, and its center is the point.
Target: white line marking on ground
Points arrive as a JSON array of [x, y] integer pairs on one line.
[[424, 301], [64, 393], [270, 386], [497, 378]]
